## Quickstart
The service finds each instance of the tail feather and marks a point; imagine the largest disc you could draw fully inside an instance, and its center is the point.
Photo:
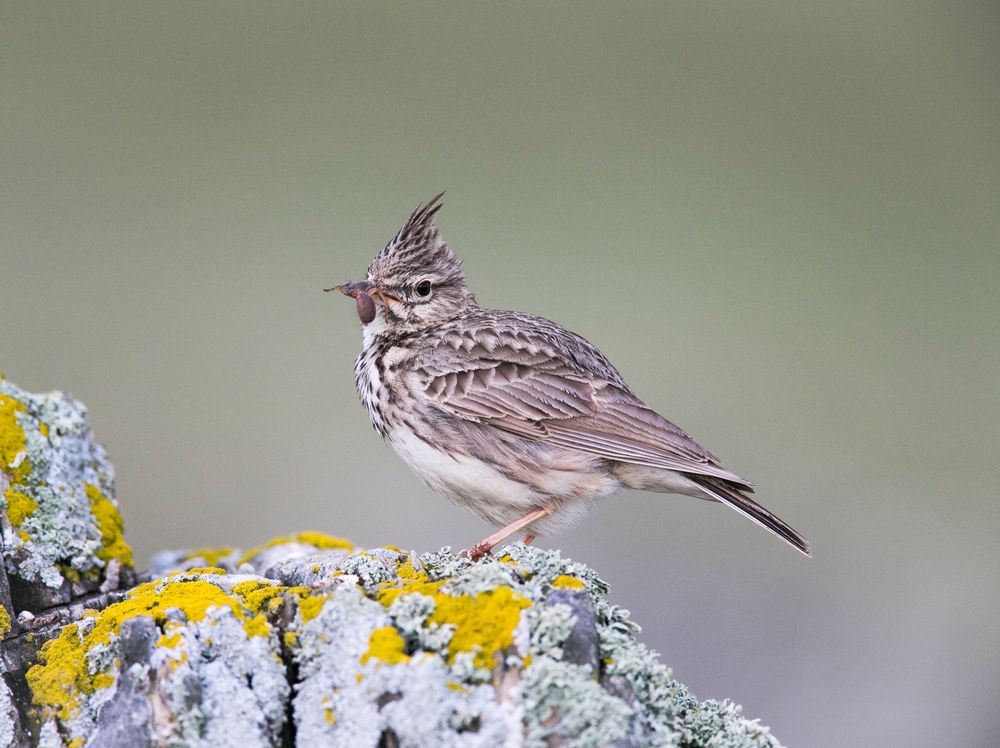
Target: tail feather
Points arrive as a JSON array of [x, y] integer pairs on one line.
[[736, 499]]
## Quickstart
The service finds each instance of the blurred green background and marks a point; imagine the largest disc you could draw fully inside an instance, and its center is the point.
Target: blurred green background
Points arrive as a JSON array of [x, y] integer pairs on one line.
[[780, 221]]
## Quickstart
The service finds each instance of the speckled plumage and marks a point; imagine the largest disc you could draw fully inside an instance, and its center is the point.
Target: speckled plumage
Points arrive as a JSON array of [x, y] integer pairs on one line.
[[505, 412]]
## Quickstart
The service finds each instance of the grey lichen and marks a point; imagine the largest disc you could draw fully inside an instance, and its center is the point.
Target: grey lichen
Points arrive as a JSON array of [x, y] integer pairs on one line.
[[9, 719]]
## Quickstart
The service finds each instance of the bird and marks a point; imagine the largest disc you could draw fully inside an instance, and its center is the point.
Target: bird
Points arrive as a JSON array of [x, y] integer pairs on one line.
[[509, 414]]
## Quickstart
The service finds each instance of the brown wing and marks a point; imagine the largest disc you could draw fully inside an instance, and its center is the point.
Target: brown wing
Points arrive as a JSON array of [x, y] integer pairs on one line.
[[553, 386]]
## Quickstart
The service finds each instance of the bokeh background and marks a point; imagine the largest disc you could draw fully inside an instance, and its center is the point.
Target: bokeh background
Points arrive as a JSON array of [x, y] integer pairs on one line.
[[780, 220]]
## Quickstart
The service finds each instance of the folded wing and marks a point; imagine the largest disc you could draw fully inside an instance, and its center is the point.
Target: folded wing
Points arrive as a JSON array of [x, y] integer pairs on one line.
[[532, 387]]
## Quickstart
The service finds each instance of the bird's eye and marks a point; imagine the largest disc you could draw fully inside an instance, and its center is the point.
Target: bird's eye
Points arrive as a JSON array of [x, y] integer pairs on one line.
[[423, 288]]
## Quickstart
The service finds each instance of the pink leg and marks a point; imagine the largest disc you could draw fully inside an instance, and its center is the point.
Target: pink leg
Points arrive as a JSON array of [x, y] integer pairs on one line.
[[528, 539], [486, 545]]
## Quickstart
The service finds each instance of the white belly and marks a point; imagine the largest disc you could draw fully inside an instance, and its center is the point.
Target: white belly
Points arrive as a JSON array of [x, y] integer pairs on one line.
[[496, 498]]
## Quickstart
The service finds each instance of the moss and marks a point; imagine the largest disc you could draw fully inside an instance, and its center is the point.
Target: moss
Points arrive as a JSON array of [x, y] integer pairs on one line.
[[109, 520], [387, 645], [201, 570], [62, 677], [19, 506], [566, 582], [5, 623], [316, 539]]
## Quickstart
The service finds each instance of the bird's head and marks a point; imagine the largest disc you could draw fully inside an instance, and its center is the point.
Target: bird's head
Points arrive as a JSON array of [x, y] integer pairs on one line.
[[415, 282]]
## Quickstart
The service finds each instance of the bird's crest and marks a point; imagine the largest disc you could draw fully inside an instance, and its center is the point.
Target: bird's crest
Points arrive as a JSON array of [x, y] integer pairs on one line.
[[418, 246]]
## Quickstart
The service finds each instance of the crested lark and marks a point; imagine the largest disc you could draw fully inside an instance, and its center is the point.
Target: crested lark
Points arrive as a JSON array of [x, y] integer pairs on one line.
[[508, 414]]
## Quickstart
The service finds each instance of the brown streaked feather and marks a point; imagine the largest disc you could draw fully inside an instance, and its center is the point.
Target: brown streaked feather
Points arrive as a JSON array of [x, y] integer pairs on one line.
[[539, 384]]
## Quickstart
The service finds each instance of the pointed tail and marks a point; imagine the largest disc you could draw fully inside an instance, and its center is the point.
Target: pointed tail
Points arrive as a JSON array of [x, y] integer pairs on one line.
[[733, 497]]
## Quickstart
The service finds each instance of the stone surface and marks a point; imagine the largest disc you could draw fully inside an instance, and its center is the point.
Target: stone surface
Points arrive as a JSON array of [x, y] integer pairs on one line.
[[304, 640]]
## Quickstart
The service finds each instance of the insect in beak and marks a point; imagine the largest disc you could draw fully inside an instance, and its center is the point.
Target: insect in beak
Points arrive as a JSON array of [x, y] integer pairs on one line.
[[365, 294]]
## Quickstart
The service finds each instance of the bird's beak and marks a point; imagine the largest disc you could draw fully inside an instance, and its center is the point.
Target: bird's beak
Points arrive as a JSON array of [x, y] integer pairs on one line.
[[365, 294], [353, 288]]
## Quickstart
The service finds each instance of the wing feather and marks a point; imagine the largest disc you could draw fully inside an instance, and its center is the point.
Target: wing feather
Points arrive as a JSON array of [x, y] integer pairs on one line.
[[555, 387]]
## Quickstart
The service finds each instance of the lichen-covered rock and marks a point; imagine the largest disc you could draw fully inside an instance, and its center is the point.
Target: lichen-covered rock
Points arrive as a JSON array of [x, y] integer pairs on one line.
[[393, 648], [304, 640], [60, 524], [187, 659], [332, 646]]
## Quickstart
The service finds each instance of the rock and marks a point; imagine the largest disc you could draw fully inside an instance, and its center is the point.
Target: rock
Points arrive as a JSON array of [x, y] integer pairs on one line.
[[349, 647], [59, 521], [306, 640]]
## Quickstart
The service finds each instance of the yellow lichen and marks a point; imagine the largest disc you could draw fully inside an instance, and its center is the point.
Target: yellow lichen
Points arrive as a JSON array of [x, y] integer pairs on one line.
[[12, 440], [5, 623], [565, 582], [291, 639], [57, 685], [257, 626], [318, 539], [44, 428], [387, 645], [484, 624], [69, 572], [413, 581], [310, 607], [170, 640], [19, 506], [201, 570], [262, 597], [62, 677], [210, 556], [109, 520]]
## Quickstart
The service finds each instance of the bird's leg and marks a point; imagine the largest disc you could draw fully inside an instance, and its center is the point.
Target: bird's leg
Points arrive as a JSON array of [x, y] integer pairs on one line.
[[528, 538], [486, 545]]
